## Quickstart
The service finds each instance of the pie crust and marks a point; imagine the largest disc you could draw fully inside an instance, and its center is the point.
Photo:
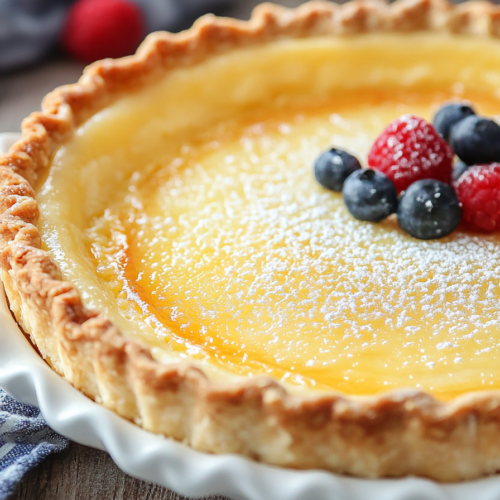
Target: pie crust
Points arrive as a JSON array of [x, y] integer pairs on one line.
[[394, 434]]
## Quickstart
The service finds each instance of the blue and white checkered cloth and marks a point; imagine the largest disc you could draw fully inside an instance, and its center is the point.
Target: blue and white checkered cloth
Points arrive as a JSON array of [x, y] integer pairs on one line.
[[25, 440]]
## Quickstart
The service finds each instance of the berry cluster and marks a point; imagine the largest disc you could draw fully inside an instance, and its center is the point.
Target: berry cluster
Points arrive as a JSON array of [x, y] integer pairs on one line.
[[414, 159]]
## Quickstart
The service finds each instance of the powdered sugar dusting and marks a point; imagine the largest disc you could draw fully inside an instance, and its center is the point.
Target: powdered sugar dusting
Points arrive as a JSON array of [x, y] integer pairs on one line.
[[250, 258]]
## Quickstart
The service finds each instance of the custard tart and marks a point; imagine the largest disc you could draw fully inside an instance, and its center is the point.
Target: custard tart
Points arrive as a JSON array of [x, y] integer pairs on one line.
[[169, 253]]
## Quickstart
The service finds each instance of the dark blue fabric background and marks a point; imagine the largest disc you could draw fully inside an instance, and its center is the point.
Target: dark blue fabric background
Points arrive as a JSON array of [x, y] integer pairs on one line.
[[29, 29]]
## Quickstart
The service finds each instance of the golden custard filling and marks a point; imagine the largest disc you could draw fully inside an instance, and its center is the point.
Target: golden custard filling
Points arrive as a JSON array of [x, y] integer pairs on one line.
[[190, 216]]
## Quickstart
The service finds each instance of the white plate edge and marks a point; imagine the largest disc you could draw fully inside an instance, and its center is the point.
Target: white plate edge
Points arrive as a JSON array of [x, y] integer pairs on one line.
[[27, 378]]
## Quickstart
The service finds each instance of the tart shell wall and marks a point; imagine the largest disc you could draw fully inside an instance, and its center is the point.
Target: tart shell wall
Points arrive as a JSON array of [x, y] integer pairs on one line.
[[393, 434]]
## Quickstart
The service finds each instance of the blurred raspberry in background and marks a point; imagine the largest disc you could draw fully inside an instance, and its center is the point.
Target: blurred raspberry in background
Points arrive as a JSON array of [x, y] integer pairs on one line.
[[95, 29], [88, 29]]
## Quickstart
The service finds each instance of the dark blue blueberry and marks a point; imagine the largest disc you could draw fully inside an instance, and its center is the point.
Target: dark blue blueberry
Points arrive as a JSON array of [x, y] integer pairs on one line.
[[429, 209], [459, 167], [476, 140], [448, 116], [333, 167], [370, 195]]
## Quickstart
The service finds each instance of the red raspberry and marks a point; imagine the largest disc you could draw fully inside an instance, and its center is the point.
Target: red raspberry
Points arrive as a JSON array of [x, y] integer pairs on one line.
[[96, 29], [478, 189], [409, 150]]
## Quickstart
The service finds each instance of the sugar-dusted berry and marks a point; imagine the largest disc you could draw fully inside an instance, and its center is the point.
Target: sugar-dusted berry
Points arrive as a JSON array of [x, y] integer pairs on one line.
[[459, 167], [333, 167], [429, 209], [449, 115], [369, 195], [478, 190], [476, 140], [410, 149]]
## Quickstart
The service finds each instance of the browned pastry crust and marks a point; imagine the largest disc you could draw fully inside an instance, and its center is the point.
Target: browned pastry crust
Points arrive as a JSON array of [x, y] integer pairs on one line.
[[393, 434]]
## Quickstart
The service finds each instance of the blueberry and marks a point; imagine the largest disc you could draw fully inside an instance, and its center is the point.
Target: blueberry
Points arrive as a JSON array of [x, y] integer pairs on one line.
[[333, 167], [370, 195], [448, 116], [429, 209], [459, 167], [476, 140]]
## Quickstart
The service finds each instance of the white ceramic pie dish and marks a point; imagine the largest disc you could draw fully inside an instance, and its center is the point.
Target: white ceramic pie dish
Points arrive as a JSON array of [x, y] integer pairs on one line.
[[25, 376]]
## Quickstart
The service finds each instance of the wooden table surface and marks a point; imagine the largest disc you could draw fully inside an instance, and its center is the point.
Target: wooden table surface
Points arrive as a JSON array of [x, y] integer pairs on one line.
[[82, 473], [79, 473]]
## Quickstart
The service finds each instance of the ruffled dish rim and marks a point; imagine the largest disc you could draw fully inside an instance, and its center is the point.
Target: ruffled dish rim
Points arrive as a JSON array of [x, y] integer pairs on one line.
[[393, 434]]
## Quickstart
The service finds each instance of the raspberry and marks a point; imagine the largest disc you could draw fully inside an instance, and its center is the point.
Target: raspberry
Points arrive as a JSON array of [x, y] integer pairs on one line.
[[410, 149], [478, 189], [96, 29]]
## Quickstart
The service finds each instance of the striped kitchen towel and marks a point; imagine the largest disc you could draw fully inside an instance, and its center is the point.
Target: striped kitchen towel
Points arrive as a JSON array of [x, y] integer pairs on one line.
[[25, 440]]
